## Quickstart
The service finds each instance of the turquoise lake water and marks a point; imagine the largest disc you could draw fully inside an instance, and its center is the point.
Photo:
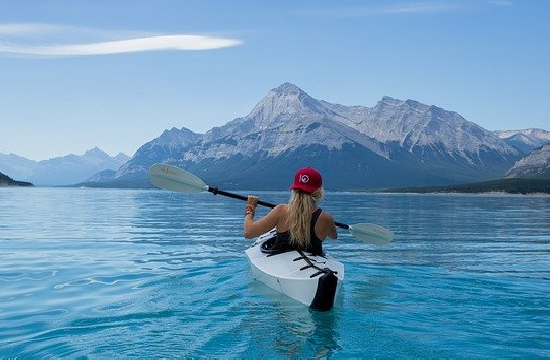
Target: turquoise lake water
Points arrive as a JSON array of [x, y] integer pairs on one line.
[[102, 273]]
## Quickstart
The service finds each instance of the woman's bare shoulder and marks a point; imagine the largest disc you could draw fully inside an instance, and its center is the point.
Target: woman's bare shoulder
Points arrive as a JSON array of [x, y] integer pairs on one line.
[[326, 216], [327, 222], [281, 207]]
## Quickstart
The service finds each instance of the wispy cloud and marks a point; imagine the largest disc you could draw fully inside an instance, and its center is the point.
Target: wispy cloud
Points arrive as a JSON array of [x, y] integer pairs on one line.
[[59, 41], [387, 9], [501, 2], [416, 8], [26, 29], [153, 43]]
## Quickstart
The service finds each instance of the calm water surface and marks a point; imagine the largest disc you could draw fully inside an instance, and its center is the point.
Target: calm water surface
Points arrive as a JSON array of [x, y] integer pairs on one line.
[[95, 273]]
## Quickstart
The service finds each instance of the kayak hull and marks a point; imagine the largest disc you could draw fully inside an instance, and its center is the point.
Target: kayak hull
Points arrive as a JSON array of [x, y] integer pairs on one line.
[[294, 276]]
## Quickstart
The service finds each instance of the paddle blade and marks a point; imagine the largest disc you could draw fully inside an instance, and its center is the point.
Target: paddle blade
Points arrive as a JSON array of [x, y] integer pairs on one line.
[[175, 179], [371, 233]]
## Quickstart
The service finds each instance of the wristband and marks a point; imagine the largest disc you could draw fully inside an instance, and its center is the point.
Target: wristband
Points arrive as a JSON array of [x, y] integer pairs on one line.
[[250, 209]]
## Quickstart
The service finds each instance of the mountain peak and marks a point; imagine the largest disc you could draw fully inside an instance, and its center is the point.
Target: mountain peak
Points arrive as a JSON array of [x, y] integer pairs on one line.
[[389, 101], [95, 152], [122, 157], [282, 102], [288, 88], [174, 132]]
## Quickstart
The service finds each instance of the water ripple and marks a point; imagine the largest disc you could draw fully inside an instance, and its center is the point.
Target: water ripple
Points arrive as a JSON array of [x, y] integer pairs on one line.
[[99, 273]]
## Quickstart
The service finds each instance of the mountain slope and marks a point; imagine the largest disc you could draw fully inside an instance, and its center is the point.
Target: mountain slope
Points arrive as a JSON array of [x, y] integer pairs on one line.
[[431, 138], [8, 181], [167, 147], [285, 119], [17, 166], [536, 165]]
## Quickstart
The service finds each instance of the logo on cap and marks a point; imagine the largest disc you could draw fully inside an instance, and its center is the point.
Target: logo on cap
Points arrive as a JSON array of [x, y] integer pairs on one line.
[[307, 180]]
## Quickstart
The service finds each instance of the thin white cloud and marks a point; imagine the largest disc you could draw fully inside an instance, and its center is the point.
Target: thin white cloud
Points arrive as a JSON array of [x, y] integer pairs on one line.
[[389, 9], [39, 31], [416, 8], [59, 41], [501, 2], [153, 43], [24, 29]]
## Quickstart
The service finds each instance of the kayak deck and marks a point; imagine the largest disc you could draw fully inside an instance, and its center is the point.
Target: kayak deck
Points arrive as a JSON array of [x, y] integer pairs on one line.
[[295, 274]]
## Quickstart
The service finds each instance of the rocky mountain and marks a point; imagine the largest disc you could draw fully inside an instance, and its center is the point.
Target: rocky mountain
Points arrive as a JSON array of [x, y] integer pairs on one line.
[[169, 147], [432, 138], [395, 143], [66, 170], [525, 140], [536, 165]]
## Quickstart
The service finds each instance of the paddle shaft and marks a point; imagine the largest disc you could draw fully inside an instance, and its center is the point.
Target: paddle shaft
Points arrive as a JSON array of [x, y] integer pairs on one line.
[[175, 179], [214, 190]]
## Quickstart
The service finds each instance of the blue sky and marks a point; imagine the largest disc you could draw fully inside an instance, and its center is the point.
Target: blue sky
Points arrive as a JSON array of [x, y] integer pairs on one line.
[[76, 74]]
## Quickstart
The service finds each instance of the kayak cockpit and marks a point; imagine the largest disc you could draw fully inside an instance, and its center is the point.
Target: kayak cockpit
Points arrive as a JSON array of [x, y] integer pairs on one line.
[[312, 280]]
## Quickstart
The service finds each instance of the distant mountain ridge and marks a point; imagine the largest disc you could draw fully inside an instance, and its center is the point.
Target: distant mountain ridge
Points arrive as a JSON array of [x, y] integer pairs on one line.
[[394, 143], [17, 166], [525, 140], [65, 170]]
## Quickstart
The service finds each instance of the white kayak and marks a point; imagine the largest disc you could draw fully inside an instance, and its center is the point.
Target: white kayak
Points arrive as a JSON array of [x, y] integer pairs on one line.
[[312, 280]]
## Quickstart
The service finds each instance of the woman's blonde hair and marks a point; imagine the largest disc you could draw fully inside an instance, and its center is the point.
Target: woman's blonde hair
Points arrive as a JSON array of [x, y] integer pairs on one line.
[[300, 209]]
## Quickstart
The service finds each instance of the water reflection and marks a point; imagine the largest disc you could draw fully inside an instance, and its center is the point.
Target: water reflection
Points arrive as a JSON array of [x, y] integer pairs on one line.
[[283, 327]]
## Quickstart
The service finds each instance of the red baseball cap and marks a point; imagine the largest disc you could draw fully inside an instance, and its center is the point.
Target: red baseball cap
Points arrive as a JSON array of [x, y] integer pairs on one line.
[[307, 179]]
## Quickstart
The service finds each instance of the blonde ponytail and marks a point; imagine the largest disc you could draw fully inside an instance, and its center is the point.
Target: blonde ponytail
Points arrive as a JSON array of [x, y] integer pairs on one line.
[[300, 208]]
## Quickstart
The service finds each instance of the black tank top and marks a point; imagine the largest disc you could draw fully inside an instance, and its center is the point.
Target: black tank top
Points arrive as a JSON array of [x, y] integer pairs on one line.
[[315, 246]]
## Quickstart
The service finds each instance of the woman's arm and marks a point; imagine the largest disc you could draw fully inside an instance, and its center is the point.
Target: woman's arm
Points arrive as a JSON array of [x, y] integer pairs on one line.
[[253, 228]]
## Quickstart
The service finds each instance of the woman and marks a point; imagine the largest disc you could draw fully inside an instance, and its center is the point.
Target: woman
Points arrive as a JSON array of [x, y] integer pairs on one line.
[[300, 224]]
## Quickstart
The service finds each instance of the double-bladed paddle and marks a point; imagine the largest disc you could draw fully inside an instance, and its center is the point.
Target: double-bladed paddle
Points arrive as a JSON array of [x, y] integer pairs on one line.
[[175, 179]]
